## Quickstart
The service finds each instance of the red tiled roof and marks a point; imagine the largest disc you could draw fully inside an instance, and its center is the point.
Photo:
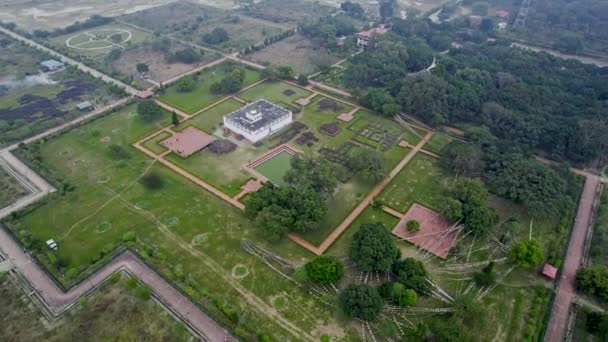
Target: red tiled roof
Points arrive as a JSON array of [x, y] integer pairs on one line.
[[144, 94], [370, 33], [549, 271], [188, 141]]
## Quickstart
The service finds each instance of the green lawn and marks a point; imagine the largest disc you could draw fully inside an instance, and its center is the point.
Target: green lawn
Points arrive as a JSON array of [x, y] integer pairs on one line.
[[190, 235], [274, 91], [201, 96], [212, 118], [421, 181], [113, 313], [599, 243], [437, 143], [276, 167], [154, 143]]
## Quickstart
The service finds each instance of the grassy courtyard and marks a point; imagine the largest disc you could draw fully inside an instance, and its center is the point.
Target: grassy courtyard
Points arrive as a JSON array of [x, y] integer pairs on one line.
[[188, 234], [274, 91], [276, 167], [421, 181], [201, 96]]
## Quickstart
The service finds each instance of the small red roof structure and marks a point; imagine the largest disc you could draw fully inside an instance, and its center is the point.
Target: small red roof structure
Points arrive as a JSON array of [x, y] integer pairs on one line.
[[370, 33], [144, 94], [188, 141], [502, 14], [550, 271]]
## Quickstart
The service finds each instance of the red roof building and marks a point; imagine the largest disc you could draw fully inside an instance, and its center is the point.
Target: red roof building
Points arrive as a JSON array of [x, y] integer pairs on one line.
[[550, 272], [144, 94], [364, 37], [502, 14]]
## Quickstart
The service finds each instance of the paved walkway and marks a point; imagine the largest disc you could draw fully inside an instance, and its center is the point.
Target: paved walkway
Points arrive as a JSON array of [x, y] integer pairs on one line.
[[335, 234], [70, 61], [330, 88], [566, 292], [59, 301]]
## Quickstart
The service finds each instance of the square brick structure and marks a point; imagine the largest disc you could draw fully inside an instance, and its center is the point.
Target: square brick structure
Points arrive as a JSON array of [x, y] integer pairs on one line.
[[433, 235], [188, 141]]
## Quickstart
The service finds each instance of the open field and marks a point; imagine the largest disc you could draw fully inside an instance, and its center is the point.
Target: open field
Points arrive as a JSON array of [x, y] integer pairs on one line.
[[49, 14], [289, 11], [421, 181], [182, 227], [112, 314], [160, 68], [195, 100], [32, 100], [193, 22], [274, 92], [297, 51]]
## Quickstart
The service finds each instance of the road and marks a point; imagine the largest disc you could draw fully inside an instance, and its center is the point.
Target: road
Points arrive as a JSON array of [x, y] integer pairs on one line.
[[59, 301], [566, 291], [70, 61]]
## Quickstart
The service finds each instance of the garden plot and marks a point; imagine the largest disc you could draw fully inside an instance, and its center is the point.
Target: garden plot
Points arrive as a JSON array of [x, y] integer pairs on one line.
[[10, 189]]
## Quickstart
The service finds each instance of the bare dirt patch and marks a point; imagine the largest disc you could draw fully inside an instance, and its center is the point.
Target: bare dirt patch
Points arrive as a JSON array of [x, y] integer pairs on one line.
[[160, 70], [298, 51]]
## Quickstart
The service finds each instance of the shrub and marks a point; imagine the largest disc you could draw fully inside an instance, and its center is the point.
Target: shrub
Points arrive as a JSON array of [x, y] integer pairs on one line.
[[129, 236], [413, 226], [131, 283], [143, 292], [151, 181], [118, 152], [325, 269]]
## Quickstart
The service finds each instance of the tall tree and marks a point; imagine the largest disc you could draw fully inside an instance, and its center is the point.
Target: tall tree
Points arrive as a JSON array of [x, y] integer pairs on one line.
[[372, 248], [362, 302]]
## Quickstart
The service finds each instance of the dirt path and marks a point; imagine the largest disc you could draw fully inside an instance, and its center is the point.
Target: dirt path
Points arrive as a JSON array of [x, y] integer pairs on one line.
[[330, 88], [335, 234], [68, 60], [566, 292]]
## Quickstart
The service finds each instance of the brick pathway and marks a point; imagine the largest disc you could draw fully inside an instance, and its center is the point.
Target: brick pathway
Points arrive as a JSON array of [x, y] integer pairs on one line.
[[556, 329], [59, 301], [335, 234]]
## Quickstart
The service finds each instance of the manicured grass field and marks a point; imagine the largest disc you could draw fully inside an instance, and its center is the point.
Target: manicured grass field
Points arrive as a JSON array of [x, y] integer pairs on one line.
[[437, 143], [421, 181], [191, 236], [111, 314], [276, 167], [211, 119], [10, 189], [96, 48], [201, 96], [274, 91], [154, 143]]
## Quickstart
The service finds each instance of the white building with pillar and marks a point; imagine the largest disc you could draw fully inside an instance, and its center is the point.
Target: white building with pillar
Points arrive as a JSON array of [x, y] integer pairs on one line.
[[258, 120]]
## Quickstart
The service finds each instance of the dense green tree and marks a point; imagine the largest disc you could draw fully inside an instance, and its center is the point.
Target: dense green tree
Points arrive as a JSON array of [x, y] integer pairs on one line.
[[325, 270], [398, 294], [527, 253], [149, 110], [387, 8], [381, 65], [217, 36], [185, 84], [463, 159], [593, 280], [362, 302], [186, 56], [412, 274], [451, 208], [292, 209], [307, 172], [227, 85], [352, 9], [539, 187], [174, 119], [142, 67], [372, 248], [425, 96], [274, 221], [370, 165]]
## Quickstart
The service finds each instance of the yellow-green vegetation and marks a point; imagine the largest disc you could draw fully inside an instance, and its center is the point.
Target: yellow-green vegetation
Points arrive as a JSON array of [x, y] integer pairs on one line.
[[10, 189], [111, 314], [437, 143], [274, 91]]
